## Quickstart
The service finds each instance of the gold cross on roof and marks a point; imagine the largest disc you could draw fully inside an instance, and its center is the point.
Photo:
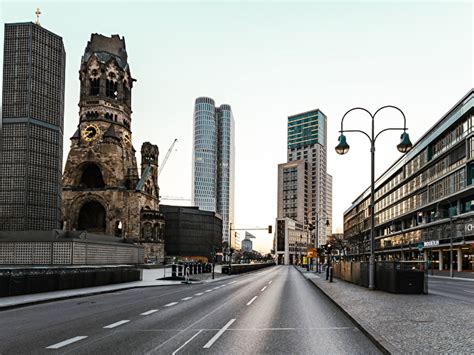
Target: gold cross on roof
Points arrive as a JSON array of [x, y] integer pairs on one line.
[[37, 13]]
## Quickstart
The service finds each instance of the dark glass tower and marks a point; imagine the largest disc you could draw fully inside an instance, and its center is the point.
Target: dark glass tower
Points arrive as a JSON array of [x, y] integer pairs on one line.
[[31, 134]]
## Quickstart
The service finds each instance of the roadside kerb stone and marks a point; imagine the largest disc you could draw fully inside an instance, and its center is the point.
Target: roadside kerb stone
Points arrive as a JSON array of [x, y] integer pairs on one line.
[[405, 323]]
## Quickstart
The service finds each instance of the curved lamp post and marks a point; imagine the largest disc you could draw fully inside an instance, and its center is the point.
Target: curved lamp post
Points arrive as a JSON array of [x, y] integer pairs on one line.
[[342, 148]]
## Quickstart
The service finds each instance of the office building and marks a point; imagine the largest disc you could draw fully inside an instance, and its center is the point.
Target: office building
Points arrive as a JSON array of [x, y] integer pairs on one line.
[[304, 187], [424, 203], [247, 244], [213, 162], [31, 143], [191, 233], [291, 241]]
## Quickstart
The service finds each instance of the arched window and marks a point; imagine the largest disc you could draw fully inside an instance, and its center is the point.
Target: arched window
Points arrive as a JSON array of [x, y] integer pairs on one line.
[[92, 177], [95, 87], [92, 217], [111, 89]]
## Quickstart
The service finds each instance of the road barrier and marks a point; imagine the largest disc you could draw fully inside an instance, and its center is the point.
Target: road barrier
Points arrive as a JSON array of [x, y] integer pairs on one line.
[[242, 268], [14, 282], [409, 277]]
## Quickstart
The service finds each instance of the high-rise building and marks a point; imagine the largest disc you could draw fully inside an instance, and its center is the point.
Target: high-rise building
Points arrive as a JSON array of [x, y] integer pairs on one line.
[[213, 161], [304, 186], [247, 244], [31, 144]]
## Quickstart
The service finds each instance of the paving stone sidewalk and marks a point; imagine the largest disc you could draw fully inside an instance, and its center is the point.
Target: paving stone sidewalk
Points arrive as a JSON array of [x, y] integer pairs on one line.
[[402, 324]]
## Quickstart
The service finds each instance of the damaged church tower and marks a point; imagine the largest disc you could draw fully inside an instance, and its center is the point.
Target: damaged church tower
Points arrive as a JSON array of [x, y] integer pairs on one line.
[[103, 192]]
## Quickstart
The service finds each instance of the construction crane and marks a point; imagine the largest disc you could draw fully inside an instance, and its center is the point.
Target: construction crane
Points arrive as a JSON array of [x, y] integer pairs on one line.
[[160, 169]]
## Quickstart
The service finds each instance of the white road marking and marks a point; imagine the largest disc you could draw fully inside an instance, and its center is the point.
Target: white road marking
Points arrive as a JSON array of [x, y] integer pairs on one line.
[[270, 282], [198, 294], [263, 289], [218, 335], [250, 302], [149, 312], [171, 304], [468, 291], [216, 288], [182, 346], [185, 298], [233, 282], [208, 291], [66, 342], [113, 325]]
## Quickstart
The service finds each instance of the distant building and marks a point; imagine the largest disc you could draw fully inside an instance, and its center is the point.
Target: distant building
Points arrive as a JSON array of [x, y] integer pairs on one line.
[[247, 244], [291, 241], [190, 232], [213, 161], [31, 131]]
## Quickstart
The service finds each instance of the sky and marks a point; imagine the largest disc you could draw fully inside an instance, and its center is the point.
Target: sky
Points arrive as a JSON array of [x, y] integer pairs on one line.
[[269, 60]]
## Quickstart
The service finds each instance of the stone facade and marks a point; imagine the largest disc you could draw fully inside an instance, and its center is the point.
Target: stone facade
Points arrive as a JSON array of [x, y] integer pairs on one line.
[[103, 191]]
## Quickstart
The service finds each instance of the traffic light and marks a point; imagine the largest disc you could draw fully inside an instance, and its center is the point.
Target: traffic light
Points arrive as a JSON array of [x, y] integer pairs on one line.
[[269, 229]]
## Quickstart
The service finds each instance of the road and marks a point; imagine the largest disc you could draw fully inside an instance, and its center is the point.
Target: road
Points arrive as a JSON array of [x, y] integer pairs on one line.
[[454, 288], [272, 311]]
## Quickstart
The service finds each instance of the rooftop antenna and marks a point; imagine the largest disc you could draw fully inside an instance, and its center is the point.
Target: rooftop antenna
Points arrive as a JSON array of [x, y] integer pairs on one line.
[[38, 13]]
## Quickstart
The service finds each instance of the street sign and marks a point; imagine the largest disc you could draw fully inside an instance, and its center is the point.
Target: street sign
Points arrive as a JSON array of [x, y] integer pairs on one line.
[[311, 252], [420, 246]]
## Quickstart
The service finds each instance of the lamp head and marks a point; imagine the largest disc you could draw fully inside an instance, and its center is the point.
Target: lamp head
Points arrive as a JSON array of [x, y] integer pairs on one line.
[[405, 144], [342, 147]]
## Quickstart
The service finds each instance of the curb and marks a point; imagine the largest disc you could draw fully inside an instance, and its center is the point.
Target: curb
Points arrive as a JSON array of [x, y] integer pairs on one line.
[[379, 342]]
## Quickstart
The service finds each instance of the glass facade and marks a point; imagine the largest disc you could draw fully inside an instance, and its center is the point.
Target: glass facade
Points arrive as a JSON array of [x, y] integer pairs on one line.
[[32, 128], [213, 161], [306, 128], [431, 183]]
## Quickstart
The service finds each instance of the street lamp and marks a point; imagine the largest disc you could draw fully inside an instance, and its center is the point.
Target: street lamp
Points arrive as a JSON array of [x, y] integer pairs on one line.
[[316, 241], [403, 147]]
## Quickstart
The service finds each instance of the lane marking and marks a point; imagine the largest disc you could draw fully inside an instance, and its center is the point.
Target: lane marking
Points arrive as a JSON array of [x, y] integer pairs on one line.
[[216, 288], [185, 298], [218, 335], [182, 346], [208, 291], [250, 302], [263, 289], [66, 342], [233, 282], [149, 312], [171, 304], [198, 294], [468, 291], [270, 282], [113, 325]]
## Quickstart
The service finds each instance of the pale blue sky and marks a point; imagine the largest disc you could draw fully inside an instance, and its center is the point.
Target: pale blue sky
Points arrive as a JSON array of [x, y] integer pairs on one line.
[[269, 60]]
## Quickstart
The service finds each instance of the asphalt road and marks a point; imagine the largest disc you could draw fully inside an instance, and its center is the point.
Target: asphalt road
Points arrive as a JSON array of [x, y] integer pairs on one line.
[[272, 311], [457, 289]]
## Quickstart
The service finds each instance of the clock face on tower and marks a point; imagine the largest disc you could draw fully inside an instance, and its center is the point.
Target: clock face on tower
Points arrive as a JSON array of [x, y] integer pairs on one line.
[[90, 132], [126, 138]]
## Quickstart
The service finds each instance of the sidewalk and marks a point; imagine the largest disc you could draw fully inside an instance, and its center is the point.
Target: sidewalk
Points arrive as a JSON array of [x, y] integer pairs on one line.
[[458, 275], [149, 279], [403, 323]]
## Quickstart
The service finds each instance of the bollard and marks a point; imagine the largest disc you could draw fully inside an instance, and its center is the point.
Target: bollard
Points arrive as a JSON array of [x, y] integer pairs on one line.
[[173, 270], [330, 274], [327, 273]]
